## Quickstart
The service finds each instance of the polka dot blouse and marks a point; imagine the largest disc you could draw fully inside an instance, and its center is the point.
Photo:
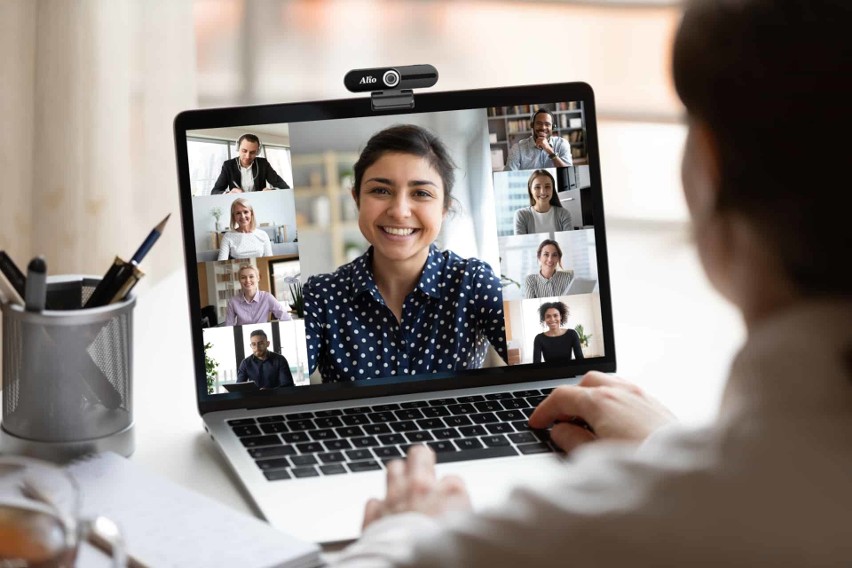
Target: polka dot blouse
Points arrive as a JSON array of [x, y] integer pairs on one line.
[[448, 320]]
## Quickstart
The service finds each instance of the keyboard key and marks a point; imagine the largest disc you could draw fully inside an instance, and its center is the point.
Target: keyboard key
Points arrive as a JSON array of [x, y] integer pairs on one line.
[[310, 447], [446, 434], [391, 439], [381, 417], [435, 412], [256, 441], [526, 393], [385, 407], [323, 435], [521, 425], [442, 401], [332, 457], [272, 452], [483, 418], [355, 467], [547, 390], [414, 404], [472, 431], [457, 421], [366, 442], [510, 415], [408, 414], [408, 426], [243, 431], [273, 427], [488, 406], [430, 423], [468, 444], [528, 411], [461, 409], [301, 425], [357, 410], [305, 472], [273, 418], [299, 416], [495, 441], [376, 429], [523, 437], [328, 422], [387, 452], [498, 396], [295, 437], [500, 428], [299, 461], [325, 413], [356, 455], [419, 436], [535, 400], [276, 463], [241, 422], [349, 431], [277, 475], [511, 403], [442, 446], [483, 453], [332, 469], [356, 420], [335, 445], [471, 398], [539, 448]]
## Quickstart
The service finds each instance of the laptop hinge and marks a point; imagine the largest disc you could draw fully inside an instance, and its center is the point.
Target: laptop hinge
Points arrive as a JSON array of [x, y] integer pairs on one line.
[[388, 100]]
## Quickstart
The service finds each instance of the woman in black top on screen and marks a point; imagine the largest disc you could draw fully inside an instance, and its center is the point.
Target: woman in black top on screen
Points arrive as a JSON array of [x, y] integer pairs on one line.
[[557, 343]]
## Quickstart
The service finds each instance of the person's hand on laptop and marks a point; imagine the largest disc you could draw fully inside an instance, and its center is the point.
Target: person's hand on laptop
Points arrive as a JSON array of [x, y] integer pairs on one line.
[[613, 408], [413, 486]]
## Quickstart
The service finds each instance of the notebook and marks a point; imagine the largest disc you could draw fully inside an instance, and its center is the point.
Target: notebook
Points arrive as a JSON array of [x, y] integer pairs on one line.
[[164, 525], [389, 277]]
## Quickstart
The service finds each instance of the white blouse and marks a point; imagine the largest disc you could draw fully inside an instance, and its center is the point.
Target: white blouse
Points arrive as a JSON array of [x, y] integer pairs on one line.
[[245, 245]]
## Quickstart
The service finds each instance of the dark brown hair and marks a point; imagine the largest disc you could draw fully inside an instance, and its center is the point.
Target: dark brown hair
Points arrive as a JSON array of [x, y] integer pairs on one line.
[[552, 243], [563, 311], [554, 199], [248, 137], [771, 80], [408, 139]]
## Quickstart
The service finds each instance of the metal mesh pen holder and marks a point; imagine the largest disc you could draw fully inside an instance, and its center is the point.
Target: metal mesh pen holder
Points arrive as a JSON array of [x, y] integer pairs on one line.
[[67, 375]]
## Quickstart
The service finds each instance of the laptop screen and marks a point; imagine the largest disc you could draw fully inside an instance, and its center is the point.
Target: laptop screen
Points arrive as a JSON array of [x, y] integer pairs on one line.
[[331, 248]]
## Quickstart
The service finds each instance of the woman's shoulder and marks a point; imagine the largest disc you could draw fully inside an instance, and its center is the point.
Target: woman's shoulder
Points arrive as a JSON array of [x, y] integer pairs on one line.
[[261, 234]]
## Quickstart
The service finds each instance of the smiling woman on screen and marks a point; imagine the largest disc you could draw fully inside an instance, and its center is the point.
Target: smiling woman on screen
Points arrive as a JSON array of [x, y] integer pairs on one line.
[[244, 240], [545, 213], [403, 307]]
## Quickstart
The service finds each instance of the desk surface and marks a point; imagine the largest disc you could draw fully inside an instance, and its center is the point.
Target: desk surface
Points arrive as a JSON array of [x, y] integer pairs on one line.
[[675, 337]]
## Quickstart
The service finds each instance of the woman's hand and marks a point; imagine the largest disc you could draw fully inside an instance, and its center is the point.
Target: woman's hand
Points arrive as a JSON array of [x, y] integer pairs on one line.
[[412, 486], [612, 407]]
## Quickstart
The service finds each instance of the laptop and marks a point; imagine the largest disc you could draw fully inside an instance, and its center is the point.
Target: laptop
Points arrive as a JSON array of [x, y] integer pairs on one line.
[[299, 306]]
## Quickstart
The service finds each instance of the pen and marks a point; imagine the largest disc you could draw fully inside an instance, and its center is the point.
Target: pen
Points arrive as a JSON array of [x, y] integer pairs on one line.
[[122, 276], [35, 293], [12, 273]]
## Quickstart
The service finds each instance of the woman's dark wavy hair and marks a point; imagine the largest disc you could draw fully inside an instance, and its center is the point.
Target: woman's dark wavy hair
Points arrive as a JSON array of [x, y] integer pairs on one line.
[[563, 311], [408, 139], [771, 79]]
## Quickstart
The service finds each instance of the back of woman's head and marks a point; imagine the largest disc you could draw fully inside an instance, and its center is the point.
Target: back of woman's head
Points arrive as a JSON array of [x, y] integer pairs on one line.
[[771, 80], [408, 139]]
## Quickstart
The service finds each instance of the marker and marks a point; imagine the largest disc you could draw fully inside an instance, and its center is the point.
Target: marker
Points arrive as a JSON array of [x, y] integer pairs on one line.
[[35, 293]]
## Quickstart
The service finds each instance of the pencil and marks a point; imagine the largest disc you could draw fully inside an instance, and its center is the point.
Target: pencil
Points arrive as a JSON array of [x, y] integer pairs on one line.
[[149, 241]]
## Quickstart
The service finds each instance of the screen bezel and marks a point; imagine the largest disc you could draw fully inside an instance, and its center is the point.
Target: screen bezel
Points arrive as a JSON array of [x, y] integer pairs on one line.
[[198, 119]]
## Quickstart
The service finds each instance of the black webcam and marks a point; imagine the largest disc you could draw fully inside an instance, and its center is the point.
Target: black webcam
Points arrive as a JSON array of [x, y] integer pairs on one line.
[[391, 78]]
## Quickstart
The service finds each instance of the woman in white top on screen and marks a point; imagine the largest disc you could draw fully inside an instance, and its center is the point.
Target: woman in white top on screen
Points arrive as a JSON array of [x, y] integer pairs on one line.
[[548, 281], [244, 240], [545, 213]]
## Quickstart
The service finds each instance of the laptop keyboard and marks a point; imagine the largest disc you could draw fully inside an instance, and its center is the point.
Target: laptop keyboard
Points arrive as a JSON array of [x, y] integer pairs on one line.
[[364, 438]]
